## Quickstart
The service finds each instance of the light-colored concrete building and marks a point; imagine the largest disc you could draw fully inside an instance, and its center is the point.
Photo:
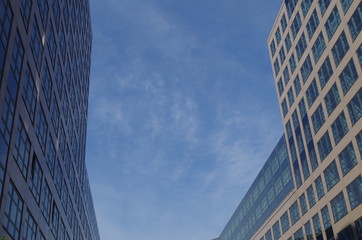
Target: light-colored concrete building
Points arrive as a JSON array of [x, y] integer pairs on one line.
[[316, 54]]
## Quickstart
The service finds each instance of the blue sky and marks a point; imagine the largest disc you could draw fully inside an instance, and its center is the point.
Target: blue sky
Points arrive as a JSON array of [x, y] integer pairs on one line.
[[183, 113]]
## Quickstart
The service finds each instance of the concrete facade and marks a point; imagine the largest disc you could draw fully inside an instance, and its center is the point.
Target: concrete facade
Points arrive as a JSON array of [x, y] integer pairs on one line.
[[316, 54]]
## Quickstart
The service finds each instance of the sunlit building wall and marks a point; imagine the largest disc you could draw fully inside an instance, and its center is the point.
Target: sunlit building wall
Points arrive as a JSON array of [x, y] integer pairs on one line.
[[316, 54]]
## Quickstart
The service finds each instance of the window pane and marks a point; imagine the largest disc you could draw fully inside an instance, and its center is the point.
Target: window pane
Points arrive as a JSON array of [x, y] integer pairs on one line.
[[331, 175], [339, 207]]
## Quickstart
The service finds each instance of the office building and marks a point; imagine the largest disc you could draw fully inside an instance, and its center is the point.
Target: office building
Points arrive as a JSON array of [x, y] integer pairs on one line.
[[311, 185], [45, 48]]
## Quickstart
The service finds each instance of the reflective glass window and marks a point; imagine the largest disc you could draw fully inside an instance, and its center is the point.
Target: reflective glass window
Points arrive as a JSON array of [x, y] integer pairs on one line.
[[331, 175], [339, 207]]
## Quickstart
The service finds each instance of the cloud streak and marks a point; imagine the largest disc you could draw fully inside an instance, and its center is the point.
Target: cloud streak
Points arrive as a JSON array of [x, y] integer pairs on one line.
[[182, 115]]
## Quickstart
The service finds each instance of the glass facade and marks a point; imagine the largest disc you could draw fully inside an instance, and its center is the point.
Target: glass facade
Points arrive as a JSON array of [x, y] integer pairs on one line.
[[270, 188], [45, 53]]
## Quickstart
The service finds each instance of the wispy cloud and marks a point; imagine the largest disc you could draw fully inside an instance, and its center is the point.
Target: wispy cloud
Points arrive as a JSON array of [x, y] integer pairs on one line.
[[180, 121]]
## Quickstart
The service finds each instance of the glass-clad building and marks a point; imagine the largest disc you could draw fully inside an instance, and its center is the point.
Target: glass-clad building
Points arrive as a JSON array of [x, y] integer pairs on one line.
[[316, 55], [45, 48]]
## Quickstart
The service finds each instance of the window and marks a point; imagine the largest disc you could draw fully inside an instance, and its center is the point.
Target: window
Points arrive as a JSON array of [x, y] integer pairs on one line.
[[301, 46], [318, 47], [278, 36], [346, 233], [359, 142], [276, 231], [280, 87], [25, 9], [297, 85], [297, 23], [276, 66], [339, 128], [340, 48], [50, 155], [312, 24], [43, 9], [303, 204], [29, 93], [283, 22], [355, 107], [272, 47], [36, 179], [291, 96], [294, 212], [359, 54], [6, 122], [347, 159], [284, 107], [312, 156], [56, 12], [55, 220], [339, 207], [298, 235], [302, 109], [325, 72], [319, 186], [358, 225], [348, 77], [268, 235], [64, 195], [58, 178], [13, 211], [311, 197], [346, 4], [62, 231], [16, 64], [323, 4], [332, 22], [288, 42], [46, 83], [282, 55], [30, 227], [286, 75], [317, 227], [308, 231], [327, 223], [55, 113], [305, 6], [290, 4], [305, 167], [293, 63], [52, 45], [63, 43], [331, 175], [355, 23], [21, 151], [312, 93], [324, 146], [41, 128], [306, 69], [318, 118], [5, 26], [354, 191], [285, 222], [288, 127], [36, 44], [46, 202], [332, 99]]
